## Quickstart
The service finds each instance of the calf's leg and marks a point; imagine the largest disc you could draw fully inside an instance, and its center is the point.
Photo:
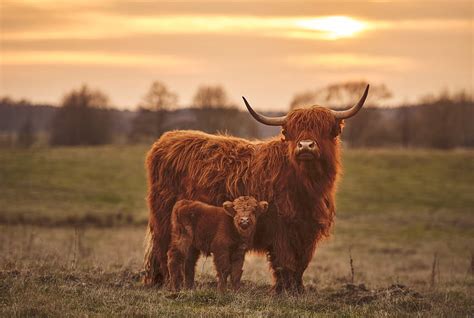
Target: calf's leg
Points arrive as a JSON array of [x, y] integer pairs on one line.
[[222, 264], [237, 263], [190, 267]]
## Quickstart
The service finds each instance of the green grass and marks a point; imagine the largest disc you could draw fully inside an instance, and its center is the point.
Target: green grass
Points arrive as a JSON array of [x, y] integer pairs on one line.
[[66, 183], [61, 183], [376, 181], [396, 209]]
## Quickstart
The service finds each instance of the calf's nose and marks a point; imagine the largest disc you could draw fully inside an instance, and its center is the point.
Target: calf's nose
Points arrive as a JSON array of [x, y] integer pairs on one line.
[[244, 225]]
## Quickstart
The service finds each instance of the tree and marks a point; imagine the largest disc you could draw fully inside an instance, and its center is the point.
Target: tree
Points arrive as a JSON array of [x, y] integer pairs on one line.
[[444, 120], [347, 93], [83, 119], [211, 97], [149, 122], [214, 112], [26, 134], [342, 95], [159, 97], [303, 99], [403, 117]]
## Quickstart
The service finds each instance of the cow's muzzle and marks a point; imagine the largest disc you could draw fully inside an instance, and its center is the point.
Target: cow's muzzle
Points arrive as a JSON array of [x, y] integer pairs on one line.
[[307, 150]]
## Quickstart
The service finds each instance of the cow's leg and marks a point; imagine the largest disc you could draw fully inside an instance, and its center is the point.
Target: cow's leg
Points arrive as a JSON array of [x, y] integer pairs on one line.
[[293, 278], [283, 275], [159, 238], [303, 263], [305, 254], [152, 267], [190, 267], [156, 269], [163, 241], [276, 272], [176, 260], [283, 262]]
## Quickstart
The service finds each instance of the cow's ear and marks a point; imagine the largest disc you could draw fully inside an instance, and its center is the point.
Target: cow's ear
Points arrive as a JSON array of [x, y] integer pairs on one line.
[[229, 208], [337, 129], [263, 207], [286, 136]]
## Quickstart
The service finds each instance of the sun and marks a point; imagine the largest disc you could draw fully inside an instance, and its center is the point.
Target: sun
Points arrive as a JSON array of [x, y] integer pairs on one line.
[[333, 27]]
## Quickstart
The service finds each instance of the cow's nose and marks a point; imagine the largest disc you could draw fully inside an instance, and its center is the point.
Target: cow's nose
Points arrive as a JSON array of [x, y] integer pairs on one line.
[[306, 144]]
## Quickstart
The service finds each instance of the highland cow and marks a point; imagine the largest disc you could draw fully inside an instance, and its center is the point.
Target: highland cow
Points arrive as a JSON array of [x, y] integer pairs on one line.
[[296, 173], [226, 232]]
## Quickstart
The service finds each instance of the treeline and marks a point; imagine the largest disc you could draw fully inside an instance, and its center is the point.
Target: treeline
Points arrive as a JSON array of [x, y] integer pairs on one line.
[[85, 117], [211, 111], [440, 121], [441, 125]]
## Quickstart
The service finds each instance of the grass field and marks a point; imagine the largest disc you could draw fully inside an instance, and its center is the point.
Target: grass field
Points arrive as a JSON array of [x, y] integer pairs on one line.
[[397, 209]]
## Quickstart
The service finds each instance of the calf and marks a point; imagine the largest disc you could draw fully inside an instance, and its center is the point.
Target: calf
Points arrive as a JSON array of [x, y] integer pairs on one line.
[[226, 232]]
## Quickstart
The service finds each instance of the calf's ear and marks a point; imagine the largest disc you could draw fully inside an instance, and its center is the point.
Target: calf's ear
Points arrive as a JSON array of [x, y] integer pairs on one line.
[[263, 207], [229, 208]]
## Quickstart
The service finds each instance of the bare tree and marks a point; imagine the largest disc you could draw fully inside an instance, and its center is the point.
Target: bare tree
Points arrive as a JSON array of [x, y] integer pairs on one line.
[[83, 119], [342, 95], [151, 116], [210, 97], [346, 93], [444, 120], [214, 113], [303, 99], [159, 97]]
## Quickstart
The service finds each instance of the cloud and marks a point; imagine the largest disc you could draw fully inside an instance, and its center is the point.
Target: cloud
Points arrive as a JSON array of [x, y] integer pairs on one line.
[[251, 45], [92, 25], [98, 58], [365, 9], [33, 22], [347, 62]]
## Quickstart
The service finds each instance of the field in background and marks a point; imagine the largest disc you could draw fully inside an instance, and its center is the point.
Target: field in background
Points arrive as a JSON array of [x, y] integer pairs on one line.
[[103, 184], [397, 209]]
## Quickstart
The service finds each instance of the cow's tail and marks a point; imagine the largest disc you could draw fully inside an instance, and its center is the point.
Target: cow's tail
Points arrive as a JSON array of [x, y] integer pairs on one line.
[[148, 258]]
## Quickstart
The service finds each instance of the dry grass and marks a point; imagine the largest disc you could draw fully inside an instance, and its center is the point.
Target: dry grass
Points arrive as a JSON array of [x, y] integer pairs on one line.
[[96, 271]]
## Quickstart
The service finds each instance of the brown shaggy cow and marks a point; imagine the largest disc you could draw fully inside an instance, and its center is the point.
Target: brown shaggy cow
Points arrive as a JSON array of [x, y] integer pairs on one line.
[[295, 174], [226, 232]]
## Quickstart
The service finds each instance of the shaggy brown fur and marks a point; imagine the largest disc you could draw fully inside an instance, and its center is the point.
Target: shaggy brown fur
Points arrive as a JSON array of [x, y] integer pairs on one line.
[[198, 166], [226, 232]]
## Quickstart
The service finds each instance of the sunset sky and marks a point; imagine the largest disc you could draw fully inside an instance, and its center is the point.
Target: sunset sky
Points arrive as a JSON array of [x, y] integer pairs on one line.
[[265, 50]]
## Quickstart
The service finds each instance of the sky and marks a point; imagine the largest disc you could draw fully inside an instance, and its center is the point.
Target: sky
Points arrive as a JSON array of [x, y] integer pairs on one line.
[[265, 50]]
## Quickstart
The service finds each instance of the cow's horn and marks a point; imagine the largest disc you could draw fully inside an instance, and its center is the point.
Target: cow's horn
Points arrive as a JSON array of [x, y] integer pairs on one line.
[[271, 121], [342, 114]]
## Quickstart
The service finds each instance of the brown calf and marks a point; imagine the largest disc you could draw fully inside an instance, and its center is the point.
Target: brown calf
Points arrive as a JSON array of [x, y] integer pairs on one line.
[[226, 232]]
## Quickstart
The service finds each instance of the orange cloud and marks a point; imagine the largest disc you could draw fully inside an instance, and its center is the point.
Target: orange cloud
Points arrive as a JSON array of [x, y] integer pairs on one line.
[[94, 25], [96, 58], [348, 61]]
